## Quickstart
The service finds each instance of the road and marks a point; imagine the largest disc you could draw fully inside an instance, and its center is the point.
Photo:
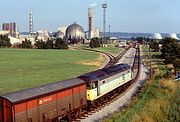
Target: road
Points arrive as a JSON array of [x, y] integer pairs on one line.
[[125, 97]]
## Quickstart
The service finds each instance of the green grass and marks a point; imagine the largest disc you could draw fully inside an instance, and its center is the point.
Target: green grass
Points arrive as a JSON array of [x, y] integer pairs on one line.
[[110, 49], [158, 100], [26, 68]]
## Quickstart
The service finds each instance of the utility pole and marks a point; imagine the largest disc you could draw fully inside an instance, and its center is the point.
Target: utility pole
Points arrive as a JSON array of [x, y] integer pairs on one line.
[[104, 6], [109, 32], [150, 62]]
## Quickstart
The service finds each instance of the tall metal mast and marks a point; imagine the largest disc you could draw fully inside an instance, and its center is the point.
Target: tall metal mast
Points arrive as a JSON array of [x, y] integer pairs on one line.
[[30, 23], [104, 6]]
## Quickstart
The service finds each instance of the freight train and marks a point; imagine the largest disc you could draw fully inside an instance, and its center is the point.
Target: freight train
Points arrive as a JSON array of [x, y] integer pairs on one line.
[[64, 99]]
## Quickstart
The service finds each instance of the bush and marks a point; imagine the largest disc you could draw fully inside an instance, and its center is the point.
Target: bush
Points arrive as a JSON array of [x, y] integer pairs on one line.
[[61, 44], [26, 44], [95, 42], [48, 44], [40, 44], [5, 41]]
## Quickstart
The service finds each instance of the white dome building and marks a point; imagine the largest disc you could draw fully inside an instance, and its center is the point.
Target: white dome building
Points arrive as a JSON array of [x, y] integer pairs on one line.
[[173, 36], [59, 34], [75, 33], [157, 36]]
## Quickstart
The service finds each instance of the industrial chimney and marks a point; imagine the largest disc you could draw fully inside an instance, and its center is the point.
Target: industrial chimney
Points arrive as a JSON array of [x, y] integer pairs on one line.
[[90, 22], [30, 23]]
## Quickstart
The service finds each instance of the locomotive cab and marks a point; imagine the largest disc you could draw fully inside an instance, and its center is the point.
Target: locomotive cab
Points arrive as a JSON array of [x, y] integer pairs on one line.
[[92, 90]]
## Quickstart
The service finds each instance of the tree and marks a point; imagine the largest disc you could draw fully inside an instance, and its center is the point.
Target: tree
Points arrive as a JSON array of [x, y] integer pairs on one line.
[[5, 41], [61, 44], [95, 42], [26, 44], [40, 44], [171, 51], [154, 45], [48, 44]]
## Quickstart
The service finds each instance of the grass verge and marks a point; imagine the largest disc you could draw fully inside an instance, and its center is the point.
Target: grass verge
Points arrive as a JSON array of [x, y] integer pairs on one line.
[[158, 100]]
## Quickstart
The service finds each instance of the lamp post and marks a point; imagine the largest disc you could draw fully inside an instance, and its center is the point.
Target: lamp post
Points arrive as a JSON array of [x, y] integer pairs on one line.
[[104, 6]]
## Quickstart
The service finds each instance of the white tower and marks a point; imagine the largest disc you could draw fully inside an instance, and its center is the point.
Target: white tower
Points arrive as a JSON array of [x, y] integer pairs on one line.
[[90, 22], [30, 23]]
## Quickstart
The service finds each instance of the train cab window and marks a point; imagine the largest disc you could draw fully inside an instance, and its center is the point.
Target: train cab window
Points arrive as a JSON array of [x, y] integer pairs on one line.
[[103, 82], [94, 85]]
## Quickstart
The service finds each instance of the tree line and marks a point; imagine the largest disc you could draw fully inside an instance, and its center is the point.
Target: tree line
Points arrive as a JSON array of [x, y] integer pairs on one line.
[[5, 41], [170, 50], [49, 44]]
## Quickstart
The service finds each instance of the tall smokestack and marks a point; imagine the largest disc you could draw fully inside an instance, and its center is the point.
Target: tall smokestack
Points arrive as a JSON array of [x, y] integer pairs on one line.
[[7, 26], [14, 27], [11, 28], [30, 23], [90, 22], [4, 26]]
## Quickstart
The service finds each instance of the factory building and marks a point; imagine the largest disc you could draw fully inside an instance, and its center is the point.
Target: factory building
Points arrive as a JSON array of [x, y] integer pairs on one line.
[[10, 28]]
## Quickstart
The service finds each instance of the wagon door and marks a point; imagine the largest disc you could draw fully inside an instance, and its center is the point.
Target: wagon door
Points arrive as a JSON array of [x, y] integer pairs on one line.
[[32, 111], [76, 97]]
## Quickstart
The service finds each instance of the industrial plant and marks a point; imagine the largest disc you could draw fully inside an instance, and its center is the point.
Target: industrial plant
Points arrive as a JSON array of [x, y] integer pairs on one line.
[[72, 34]]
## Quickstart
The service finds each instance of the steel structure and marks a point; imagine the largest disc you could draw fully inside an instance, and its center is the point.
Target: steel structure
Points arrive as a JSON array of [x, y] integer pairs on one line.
[[30, 23], [104, 6]]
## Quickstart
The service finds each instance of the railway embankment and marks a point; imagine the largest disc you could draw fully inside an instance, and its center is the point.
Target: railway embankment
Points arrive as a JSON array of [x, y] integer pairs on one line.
[[158, 100]]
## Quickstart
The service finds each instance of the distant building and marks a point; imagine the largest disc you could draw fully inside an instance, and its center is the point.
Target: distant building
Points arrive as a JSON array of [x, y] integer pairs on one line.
[[173, 36], [75, 34], [43, 35], [157, 36], [59, 34], [4, 32], [10, 28], [62, 29]]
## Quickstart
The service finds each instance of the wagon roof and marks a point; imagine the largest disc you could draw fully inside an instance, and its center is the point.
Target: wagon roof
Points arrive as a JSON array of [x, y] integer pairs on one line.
[[104, 73], [42, 90]]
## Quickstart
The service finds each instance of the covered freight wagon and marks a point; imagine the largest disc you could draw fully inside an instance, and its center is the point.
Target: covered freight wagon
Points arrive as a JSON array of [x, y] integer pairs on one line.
[[44, 103]]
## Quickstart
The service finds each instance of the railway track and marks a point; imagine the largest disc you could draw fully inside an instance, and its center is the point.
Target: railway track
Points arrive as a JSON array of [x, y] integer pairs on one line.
[[98, 106], [113, 60]]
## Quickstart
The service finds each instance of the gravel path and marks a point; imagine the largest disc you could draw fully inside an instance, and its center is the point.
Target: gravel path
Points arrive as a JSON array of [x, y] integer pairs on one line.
[[124, 98]]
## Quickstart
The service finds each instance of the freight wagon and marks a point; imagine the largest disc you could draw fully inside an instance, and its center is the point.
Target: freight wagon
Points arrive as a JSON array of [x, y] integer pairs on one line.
[[44, 103], [64, 99]]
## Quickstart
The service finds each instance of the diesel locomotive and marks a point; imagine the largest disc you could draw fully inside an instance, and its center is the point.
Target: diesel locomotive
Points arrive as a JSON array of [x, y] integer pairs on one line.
[[63, 99]]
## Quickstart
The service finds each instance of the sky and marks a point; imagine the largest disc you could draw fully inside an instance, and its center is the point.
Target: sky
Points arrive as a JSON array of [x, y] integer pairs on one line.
[[123, 15]]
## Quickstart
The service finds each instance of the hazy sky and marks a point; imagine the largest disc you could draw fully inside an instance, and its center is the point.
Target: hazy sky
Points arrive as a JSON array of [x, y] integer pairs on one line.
[[122, 15]]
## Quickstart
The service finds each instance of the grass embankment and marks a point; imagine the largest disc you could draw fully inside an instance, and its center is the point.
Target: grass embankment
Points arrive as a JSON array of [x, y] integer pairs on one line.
[[158, 100], [110, 49], [26, 68]]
